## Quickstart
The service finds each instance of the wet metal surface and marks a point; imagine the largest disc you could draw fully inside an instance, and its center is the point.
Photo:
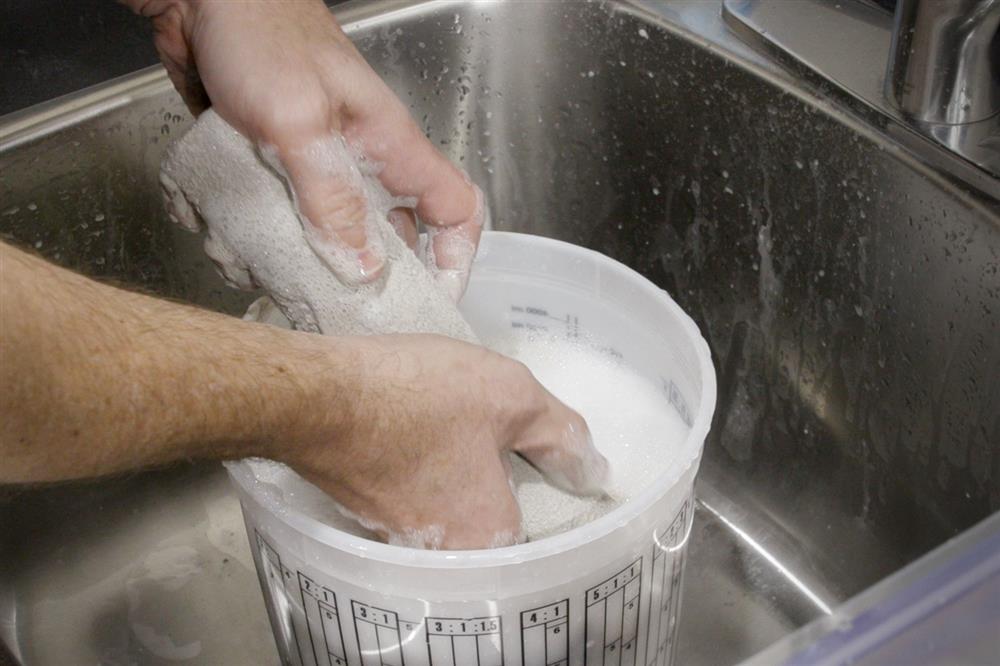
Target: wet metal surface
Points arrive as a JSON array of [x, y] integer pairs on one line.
[[849, 291]]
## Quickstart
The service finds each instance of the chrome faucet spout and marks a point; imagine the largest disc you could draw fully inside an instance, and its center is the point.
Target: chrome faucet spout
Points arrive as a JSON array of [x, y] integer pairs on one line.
[[944, 66]]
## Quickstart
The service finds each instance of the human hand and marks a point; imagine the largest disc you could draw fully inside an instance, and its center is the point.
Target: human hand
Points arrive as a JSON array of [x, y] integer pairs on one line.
[[424, 459], [286, 76], [411, 433]]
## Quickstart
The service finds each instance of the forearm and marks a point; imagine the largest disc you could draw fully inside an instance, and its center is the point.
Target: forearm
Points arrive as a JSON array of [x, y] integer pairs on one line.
[[95, 380]]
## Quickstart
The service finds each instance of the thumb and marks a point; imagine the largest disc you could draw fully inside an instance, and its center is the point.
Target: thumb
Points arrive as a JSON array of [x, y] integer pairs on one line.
[[559, 446]]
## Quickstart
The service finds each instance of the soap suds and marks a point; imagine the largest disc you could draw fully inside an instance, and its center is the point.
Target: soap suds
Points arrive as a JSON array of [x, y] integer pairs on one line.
[[257, 237], [213, 176], [630, 420]]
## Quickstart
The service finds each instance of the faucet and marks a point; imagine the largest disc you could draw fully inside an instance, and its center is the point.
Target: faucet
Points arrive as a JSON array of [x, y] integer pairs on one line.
[[944, 74]]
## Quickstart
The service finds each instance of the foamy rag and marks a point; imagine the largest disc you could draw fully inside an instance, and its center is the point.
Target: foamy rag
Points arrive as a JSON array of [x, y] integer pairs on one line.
[[214, 178]]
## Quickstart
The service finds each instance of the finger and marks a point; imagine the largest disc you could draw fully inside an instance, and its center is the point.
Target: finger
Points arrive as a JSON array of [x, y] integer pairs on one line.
[[560, 446], [229, 264], [411, 165], [176, 58], [179, 209], [330, 199], [452, 207], [451, 250], [404, 222]]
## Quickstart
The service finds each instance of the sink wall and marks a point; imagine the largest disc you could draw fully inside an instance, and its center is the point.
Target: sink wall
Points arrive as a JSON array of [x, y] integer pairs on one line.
[[851, 297]]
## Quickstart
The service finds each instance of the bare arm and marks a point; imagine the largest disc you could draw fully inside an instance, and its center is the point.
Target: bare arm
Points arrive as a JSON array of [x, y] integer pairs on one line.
[[99, 380], [407, 431]]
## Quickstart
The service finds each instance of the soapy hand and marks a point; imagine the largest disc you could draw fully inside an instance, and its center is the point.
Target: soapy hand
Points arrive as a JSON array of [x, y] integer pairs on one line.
[[430, 440], [411, 433], [286, 76]]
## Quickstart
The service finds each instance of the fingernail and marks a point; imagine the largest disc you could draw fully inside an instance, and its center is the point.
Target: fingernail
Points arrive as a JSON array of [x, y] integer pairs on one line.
[[370, 265], [404, 227], [451, 282], [481, 216], [398, 222], [352, 267]]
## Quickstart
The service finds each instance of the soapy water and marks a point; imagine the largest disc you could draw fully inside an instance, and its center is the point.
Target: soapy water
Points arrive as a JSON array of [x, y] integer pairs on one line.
[[630, 419]]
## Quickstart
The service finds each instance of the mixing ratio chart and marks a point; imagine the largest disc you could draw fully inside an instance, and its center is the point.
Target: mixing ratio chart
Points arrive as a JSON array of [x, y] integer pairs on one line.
[[284, 585], [386, 640], [545, 635], [664, 598], [322, 622], [464, 641], [613, 618]]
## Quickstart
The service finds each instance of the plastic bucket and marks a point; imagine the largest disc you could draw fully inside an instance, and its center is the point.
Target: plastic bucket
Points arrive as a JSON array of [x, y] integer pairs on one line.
[[605, 593]]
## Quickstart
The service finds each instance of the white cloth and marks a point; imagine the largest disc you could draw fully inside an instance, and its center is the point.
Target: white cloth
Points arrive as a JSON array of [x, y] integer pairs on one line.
[[214, 177]]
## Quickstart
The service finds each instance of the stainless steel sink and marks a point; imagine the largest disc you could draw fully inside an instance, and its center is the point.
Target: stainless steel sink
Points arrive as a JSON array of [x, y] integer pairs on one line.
[[850, 292]]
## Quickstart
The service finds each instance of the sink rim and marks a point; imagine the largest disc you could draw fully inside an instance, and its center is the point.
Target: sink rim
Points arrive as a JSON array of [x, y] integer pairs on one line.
[[69, 110]]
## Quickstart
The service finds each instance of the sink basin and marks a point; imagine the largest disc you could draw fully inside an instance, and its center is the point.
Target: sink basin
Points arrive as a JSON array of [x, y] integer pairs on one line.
[[849, 290]]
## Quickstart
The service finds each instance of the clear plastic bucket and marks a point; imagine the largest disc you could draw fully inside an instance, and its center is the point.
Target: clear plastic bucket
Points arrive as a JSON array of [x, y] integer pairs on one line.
[[605, 593]]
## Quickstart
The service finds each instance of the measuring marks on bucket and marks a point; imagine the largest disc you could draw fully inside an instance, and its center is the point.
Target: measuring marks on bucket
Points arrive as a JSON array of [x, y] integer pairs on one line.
[[668, 564], [282, 584], [613, 618], [386, 640], [315, 637], [545, 635], [319, 640], [320, 605], [314, 633], [534, 318], [460, 641]]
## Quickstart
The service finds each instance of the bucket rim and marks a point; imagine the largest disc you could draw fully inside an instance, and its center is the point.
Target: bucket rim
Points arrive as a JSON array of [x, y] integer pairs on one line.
[[240, 472]]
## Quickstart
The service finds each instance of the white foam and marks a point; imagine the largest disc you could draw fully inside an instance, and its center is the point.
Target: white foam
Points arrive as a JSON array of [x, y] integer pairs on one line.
[[631, 421], [257, 238]]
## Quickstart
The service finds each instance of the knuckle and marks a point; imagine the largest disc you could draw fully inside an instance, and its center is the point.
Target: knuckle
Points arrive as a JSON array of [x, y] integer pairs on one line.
[[520, 372], [333, 203], [289, 125]]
